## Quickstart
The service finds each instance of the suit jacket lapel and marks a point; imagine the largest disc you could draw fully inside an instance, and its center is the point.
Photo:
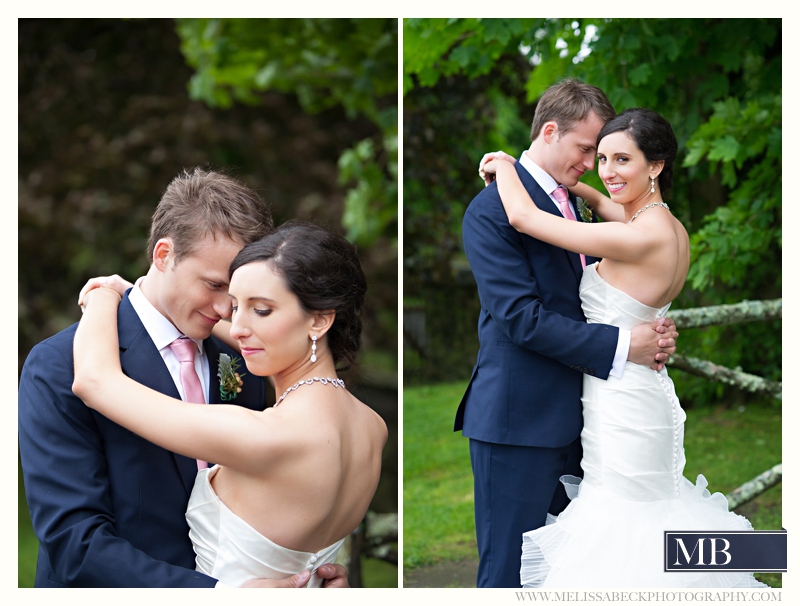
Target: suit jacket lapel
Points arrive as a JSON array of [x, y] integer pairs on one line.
[[589, 259], [579, 217], [537, 194], [545, 203], [143, 363], [212, 354], [138, 354]]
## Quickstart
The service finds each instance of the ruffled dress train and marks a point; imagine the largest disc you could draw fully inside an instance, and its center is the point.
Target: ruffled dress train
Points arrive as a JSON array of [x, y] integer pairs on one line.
[[612, 532]]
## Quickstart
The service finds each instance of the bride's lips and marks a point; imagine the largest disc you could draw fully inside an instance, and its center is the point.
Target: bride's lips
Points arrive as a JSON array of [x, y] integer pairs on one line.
[[614, 187], [249, 351]]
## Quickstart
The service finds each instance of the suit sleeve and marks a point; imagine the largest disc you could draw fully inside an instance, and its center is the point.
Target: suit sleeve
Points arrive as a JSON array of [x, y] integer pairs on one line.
[[510, 294], [67, 486]]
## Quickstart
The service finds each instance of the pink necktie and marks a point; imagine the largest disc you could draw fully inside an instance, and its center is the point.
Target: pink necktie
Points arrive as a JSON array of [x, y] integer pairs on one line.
[[184, 349], [562, 197]]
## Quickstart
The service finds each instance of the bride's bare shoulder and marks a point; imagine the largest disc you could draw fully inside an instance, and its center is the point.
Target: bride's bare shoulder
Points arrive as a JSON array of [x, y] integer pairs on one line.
[[373, 422]]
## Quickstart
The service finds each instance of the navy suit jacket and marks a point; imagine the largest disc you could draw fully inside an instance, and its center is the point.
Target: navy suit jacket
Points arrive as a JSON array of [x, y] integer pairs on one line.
[[535, 344], [108, 506]]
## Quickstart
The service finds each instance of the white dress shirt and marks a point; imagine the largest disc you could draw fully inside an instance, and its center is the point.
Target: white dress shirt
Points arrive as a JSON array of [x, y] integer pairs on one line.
[[548, 184], [163, 332], [545, 181]]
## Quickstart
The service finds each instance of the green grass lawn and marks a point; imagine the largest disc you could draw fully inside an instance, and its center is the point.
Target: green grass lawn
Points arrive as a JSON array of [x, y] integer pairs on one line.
[[28, 546], [728, 447], [438, 519]]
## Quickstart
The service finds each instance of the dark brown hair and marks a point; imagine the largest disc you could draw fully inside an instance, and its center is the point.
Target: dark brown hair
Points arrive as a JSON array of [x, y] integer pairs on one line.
[[204, 202], [653, 135], [567, 103], [322, 269]]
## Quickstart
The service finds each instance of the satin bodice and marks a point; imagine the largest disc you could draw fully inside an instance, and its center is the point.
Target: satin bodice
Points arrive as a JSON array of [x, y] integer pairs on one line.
[[606, 304], [229, 549]]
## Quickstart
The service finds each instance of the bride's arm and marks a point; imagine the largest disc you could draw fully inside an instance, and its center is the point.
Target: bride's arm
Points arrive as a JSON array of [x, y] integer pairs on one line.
[[222, 330], [228, 435], [601, 205], [115, 282], [611, 240]]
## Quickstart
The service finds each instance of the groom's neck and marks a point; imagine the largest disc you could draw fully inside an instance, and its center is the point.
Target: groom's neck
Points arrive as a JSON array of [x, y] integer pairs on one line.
[[150, 287], [537, 154]]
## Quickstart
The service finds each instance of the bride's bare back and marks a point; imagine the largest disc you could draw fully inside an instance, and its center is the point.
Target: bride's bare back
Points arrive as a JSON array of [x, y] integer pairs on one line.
[[656, 276], [321, 476]]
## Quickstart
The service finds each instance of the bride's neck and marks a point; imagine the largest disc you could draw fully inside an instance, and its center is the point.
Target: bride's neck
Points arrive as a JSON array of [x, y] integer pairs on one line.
[[322, 368]]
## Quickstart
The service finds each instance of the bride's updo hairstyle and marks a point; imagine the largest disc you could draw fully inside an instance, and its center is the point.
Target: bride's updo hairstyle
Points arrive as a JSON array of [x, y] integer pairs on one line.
[[322, 269], [652, 134]]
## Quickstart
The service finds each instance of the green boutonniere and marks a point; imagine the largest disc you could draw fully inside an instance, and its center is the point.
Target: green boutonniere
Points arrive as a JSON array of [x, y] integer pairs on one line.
[[230, 382], [584, 210]]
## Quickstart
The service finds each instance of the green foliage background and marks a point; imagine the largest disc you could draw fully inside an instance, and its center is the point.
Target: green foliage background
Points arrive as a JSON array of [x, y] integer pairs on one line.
[[327, 63], [471, 85]]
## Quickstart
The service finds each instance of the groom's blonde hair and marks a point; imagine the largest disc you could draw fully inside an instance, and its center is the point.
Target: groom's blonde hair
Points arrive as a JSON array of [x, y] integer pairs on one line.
[[202, 202], [567, 103]]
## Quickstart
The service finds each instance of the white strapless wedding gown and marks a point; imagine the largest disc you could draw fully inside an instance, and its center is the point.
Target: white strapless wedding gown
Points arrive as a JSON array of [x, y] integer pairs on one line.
[[612, 532], [228, 549]]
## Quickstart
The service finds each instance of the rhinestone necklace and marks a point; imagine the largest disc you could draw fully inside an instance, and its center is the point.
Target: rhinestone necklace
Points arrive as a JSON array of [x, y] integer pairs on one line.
[[644, 208], [324, 381]]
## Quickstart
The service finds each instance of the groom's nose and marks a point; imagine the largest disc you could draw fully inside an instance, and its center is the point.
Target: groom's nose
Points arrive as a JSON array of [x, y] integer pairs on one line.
[[222, 306]]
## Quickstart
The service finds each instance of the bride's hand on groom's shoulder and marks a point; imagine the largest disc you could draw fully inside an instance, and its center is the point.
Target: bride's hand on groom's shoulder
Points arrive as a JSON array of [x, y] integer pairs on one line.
[[114, 282], [488, 177]]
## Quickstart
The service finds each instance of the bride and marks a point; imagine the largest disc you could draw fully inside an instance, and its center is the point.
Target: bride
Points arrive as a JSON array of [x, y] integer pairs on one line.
[[612, 532], [292, 481]]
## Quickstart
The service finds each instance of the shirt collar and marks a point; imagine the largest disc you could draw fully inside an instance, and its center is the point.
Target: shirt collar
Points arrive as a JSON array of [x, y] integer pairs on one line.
[[161, 330], [545, 181]]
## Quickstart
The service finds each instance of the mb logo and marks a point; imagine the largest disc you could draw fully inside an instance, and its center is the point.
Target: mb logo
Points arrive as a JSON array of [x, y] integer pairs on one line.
[[739, 551], [716, 546]]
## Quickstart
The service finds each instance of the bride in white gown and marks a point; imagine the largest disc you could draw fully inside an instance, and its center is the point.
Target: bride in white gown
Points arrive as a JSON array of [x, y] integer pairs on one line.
[[292, 481], [612, 532]]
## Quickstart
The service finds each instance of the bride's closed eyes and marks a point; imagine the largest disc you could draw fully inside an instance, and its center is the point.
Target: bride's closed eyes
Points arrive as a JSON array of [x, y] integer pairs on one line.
[[259, 312]]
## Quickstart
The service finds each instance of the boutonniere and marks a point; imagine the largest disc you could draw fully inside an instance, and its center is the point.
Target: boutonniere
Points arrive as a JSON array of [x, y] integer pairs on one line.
[[584, 210], [230, 382]]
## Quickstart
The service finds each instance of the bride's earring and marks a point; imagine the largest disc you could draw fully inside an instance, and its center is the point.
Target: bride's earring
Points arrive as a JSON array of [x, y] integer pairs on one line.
[[652, 185], [313, 348]]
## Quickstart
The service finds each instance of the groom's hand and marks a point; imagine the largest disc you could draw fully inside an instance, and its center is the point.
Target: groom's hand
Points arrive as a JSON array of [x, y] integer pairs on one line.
[[334, 575], [295, 581], [652, 344]]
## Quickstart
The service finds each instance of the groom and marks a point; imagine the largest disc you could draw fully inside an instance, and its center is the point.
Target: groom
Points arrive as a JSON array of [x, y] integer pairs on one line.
[[522, 408], [106, 505]]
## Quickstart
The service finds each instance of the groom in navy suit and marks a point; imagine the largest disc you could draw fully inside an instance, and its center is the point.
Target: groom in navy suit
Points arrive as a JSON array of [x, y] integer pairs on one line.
[[522, 408], [106, 505]]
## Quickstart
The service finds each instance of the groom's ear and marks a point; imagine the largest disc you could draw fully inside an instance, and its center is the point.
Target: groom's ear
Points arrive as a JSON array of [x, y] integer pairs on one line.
[[161, 253], [549, 131]]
